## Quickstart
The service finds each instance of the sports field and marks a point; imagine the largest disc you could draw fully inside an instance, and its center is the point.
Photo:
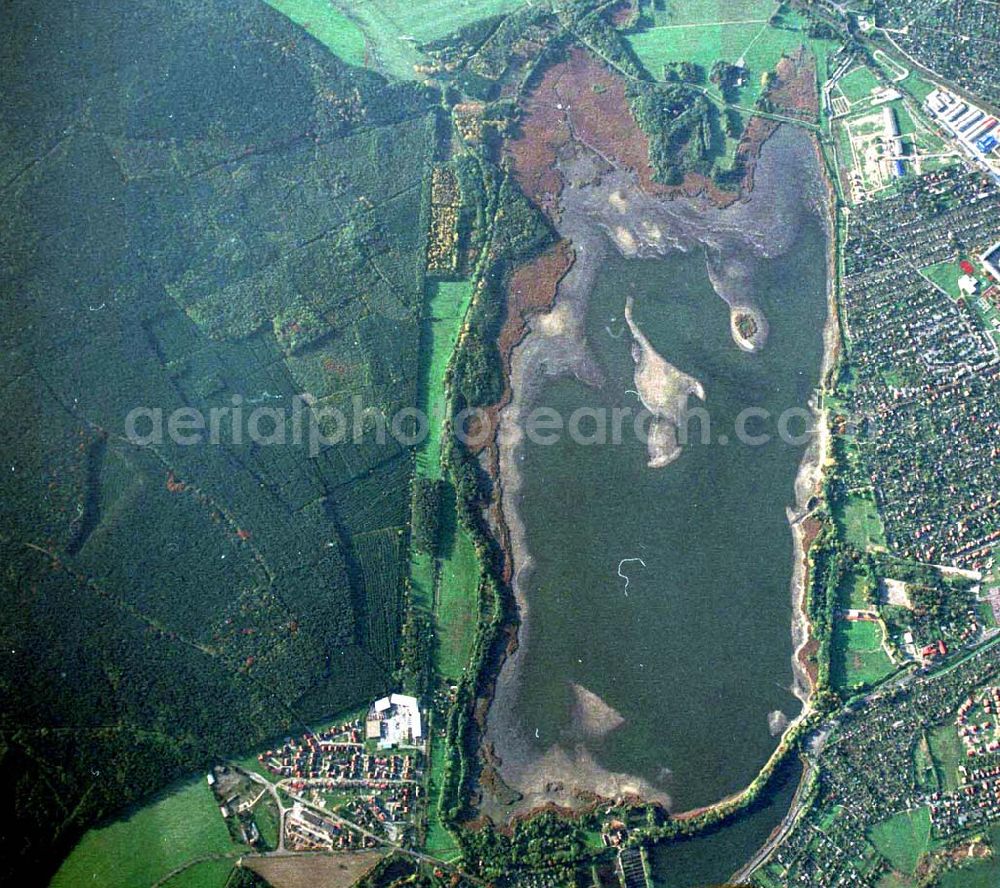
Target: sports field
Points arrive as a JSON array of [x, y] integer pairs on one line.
[[857, 655], [903, 838], [145, 846]]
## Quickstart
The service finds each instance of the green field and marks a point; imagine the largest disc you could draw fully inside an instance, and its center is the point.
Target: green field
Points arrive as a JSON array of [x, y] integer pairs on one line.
[[207, 874], [144, 847], [328, 25], [860, 522], [945, 275], [438, 841], [857, 84], [703, 32], [856, 591], [394, 28], [903, 838], [445, 309], [449, 586], [947, 753], [457, 605], [857, 655]]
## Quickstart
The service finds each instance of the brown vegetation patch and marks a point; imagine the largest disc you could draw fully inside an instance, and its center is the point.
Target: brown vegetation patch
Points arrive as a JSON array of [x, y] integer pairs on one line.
[[810, 529], [624, 15], [600, 118], [532, 288], [794, 90], [310, 870], [807, 659], [793, 93], [577, 99]]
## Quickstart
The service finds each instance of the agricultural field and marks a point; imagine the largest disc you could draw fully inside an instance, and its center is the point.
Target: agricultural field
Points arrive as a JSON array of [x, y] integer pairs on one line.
[[147, 845], [856, 655], [903, 839], [334, 871]]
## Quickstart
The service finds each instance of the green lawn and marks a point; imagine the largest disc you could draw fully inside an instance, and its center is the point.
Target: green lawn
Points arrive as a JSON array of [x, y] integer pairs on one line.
[[857, 84], [457, 575], [917, 87], [708, 11], [702, 32], [394, 28], [947, 752], [856, 655], [856, 592], [945, 275], [860, 522], [439, 841], [328, 25], [265, 815], [447, 302], [903, 838], [207, 874], [136, 851], [457, 607]]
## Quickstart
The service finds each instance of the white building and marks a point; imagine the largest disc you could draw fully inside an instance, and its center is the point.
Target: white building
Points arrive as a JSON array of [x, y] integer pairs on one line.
[[973, 129], [991, 261], [394, 721]]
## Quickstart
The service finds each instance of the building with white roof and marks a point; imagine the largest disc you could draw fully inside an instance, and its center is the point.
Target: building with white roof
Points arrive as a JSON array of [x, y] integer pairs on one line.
[[394, 721]]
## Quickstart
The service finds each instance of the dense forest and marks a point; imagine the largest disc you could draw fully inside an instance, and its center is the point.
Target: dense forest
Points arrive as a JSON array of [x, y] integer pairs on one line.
[[243, 234]]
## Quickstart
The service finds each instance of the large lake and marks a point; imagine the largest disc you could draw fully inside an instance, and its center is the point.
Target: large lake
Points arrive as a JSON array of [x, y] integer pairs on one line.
[[698, 653]]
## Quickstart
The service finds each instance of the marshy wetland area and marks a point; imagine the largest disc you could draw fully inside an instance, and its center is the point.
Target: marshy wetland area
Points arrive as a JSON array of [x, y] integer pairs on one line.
[[655, 575]]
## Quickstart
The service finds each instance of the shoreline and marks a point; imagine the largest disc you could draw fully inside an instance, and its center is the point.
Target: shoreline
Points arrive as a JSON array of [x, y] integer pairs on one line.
[[808, 481], [610, 213]]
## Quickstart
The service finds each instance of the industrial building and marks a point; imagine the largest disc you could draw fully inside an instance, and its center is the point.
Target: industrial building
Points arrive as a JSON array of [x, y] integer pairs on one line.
[[991, 261], [394, 721], [893, 141], [975, 130]]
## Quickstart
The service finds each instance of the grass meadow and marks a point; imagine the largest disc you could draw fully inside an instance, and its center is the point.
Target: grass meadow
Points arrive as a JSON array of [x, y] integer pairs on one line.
[[328, 25], [143, 847], [857, 655], [902, 839]]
